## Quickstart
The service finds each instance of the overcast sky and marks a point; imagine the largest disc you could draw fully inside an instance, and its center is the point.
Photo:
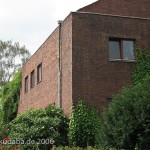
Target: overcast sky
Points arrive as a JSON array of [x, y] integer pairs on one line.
[[30, 22]]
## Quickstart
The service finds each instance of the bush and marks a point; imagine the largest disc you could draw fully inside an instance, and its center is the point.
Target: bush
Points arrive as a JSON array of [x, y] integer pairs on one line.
[[84, 125], [68, 148], [126, 123], [1, 116], [4, 131], [10, 98], [142, 66], [41, 124], [77, 148]]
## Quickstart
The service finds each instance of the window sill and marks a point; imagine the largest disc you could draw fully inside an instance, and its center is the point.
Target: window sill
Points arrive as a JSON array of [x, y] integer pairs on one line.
[[39, 82], [121, 60]]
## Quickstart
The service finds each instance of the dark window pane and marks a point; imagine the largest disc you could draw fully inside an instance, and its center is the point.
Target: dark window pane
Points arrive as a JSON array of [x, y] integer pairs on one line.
[[128, 50], [114, 49], [39, 73], [32, 81], [26, 84]]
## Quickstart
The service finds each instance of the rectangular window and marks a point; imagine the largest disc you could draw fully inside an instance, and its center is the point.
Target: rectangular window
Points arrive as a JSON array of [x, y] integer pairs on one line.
[[114, 49], [26, 84], [32, 80], [128, 50], [121, 49], [39, 73]]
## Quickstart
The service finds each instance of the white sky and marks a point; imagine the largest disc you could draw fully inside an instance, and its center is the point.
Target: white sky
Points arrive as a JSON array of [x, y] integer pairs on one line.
[[30, 22]]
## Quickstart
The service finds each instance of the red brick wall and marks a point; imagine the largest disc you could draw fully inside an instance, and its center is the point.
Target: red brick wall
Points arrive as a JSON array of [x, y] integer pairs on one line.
[[137, 8], [95, 77], [46, 92], [86, 69], [67, 65]]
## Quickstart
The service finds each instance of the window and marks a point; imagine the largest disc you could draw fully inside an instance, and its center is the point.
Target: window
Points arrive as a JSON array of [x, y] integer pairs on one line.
[[121, 49], [32, 80], [39, 73], [26, 84], [128, 50], [114, 49]]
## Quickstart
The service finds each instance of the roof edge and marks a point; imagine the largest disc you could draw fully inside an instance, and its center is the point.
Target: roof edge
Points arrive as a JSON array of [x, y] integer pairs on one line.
[[56, 28], [80, 9], [112, 15]]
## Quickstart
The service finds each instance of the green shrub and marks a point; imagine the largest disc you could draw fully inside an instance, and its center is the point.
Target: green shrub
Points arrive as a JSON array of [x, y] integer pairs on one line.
[[68, 148], [83, 126], [1, 116], [4, 130], [47, 124], [126, 123], [10, 98], [142, 66], [77, 148]]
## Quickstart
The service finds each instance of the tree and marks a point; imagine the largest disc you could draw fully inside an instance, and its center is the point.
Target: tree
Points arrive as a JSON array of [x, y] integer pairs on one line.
[[10, 98], [126, 123], [12, 57]]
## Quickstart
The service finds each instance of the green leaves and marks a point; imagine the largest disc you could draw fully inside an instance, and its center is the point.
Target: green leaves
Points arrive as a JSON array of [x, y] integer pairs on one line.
[[142, 66], [127, 120], [49, 123], [84, 125], [12, 56], [10, 98]]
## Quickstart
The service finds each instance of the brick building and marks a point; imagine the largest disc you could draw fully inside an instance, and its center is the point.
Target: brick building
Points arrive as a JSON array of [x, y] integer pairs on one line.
[[89, 55]]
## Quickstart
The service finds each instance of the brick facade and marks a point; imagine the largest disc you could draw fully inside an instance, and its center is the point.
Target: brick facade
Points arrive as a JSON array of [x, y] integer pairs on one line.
[[86, 69], [46, 92], [94, 76], [136, 8]]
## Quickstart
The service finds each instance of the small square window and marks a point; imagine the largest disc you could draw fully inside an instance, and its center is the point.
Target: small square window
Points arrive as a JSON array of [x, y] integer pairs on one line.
[[121, 49], [32, 80], [26, 84], [39, 73]]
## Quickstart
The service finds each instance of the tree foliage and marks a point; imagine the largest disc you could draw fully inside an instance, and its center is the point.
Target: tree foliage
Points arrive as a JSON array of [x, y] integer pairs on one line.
[[142, 66], [10, 98], [41, 124], [84, 125], [127, 120], [12, 56]]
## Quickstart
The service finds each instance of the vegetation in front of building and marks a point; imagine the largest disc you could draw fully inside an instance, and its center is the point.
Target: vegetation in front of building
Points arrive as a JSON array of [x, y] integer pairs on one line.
[[124, 125], [142, 66], [10, 81], [10, 98], [84, 125], [39, 124], [79, 148]]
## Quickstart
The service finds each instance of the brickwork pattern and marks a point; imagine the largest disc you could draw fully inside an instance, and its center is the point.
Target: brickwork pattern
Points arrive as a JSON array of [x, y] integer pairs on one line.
[[136, 8], [95, 78]]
